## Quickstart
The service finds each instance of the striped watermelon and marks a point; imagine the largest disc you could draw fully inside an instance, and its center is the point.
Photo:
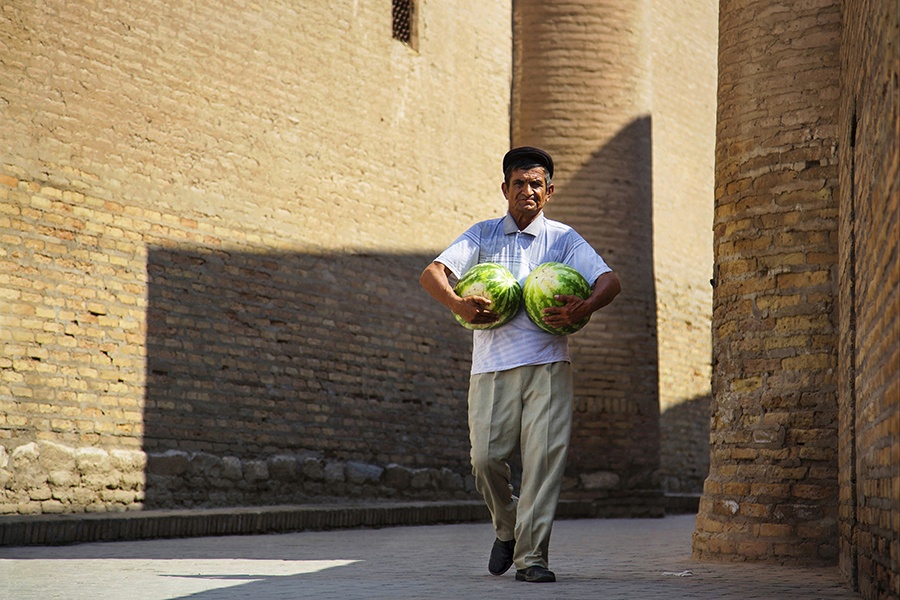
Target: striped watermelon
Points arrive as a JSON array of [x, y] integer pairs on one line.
[[496, 283], [548, 280]]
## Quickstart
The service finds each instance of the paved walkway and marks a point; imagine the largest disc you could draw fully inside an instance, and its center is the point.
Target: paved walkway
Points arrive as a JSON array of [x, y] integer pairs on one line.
[[632, 559]]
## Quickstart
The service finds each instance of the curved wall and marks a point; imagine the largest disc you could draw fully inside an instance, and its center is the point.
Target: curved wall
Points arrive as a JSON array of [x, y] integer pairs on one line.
[[772, 486]]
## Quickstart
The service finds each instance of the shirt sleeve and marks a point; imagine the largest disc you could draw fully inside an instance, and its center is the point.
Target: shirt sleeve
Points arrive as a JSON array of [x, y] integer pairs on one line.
[[462, 254], [586, 260]]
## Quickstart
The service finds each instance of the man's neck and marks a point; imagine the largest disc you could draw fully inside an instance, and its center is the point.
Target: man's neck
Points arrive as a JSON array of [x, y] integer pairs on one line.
[[523, 222]]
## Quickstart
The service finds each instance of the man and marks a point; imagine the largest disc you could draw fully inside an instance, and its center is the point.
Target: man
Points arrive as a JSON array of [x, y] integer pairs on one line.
[[520, 387]]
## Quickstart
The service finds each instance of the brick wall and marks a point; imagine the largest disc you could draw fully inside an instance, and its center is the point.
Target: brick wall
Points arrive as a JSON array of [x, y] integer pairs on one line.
[[601, 143], [684, 44], [772, 487], [596, 83], [684, 38], [870, 307], [213, 219], [189, 188]]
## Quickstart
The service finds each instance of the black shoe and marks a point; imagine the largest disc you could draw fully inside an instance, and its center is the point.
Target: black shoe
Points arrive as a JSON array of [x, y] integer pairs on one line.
[[535, 574], [501, 557]]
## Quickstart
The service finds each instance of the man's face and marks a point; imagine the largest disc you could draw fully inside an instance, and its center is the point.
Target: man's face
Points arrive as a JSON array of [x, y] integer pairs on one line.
[[527, 193]]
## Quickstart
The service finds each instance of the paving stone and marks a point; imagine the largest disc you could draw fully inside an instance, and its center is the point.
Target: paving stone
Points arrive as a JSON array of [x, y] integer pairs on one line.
[[642, 559]]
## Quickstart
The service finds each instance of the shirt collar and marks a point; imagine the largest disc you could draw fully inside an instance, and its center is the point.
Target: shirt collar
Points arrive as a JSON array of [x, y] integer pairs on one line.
[[533, 228]]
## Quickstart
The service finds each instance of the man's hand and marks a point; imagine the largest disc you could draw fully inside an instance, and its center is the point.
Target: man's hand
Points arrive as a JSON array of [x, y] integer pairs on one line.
[[572, 311], [475, 310]]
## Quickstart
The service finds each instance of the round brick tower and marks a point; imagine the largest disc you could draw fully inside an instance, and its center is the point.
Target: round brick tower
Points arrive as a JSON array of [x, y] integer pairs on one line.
[[772, 488], [581, 89]]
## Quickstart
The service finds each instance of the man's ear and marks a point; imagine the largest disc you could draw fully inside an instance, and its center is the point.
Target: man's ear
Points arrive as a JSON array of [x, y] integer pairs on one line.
[[504, 188]]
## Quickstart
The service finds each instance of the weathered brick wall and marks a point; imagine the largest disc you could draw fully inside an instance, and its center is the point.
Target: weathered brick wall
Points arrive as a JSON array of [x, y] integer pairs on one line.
[[213, 217], [627, 128], [870, 307], [190, 186], [772, 487], [595, 122], [684, 38], [622, 94]]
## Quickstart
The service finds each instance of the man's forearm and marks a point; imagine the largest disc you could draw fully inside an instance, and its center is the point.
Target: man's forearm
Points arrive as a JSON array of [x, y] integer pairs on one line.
[[605, 289], [434, 280]]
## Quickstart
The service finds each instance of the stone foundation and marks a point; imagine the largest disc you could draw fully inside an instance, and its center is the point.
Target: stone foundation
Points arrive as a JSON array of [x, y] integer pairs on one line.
[[50, 478]]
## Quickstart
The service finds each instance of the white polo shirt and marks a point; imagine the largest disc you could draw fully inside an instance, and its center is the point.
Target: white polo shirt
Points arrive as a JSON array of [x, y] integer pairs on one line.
[[520, 342]]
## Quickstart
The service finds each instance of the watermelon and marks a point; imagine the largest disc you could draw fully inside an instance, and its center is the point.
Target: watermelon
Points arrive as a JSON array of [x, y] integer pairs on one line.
[[545, 282], [497, 284]]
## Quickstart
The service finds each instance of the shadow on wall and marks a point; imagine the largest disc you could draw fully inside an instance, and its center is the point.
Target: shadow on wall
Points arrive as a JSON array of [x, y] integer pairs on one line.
[[684, 446], [263, 365], [251, 356], [609, 201]]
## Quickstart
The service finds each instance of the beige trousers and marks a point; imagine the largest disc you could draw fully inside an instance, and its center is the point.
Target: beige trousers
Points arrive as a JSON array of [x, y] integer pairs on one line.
[[532, 406]]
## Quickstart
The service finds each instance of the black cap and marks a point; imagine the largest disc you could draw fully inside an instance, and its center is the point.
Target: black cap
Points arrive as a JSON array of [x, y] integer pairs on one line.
[[528, 153]]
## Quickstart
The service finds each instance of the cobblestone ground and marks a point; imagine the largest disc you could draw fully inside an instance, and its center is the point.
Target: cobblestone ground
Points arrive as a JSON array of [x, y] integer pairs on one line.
[[601, 558]]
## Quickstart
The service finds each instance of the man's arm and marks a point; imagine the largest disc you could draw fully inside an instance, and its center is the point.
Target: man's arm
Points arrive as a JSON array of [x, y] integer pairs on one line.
[[605, 289], [473, 309]]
